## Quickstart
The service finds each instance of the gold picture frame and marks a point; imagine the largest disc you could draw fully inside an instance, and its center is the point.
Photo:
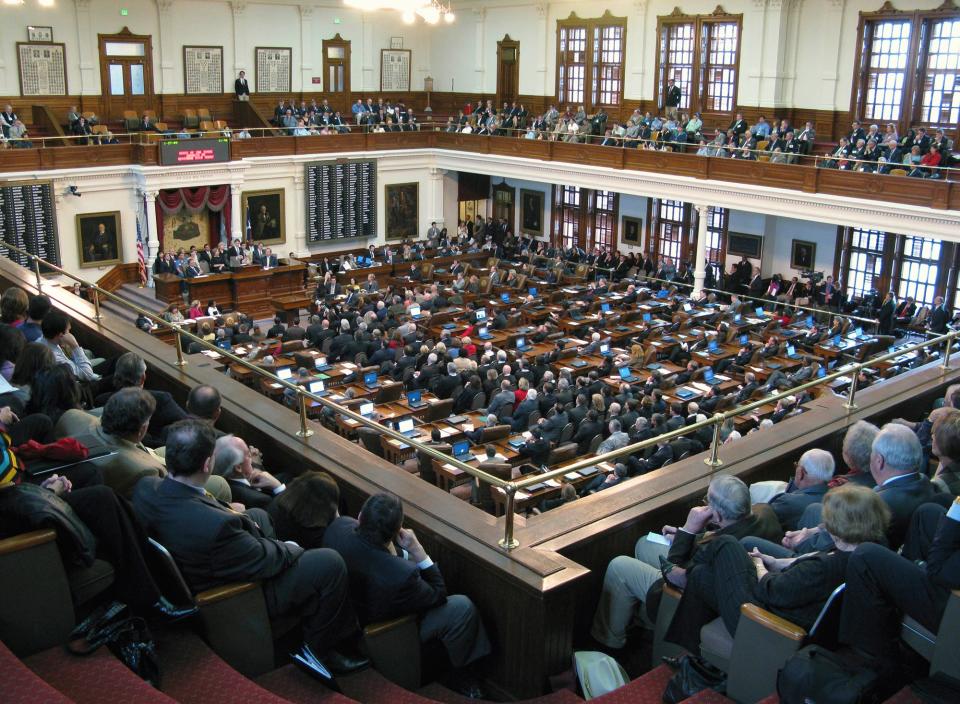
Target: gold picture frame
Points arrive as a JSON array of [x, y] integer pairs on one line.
[[264, 216], [531, 212], [97, 247], [402, 206], [632, 231]]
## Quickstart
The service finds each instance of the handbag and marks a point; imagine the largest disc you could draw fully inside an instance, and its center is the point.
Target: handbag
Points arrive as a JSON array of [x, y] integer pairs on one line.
[[598, 673], [694, 674], [815, 674], [127, 637]]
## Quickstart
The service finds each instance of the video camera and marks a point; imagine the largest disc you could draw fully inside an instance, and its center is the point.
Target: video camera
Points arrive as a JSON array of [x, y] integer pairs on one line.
[[814, 276]]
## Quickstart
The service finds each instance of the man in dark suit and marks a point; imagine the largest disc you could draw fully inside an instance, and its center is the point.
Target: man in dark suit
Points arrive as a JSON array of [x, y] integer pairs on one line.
[[756, 284], [233, 460], [241, 88], [536, 449], [392, 576], [551, 427], [939, 317], [269, 260], [293, 332], [882, 586], [214, 544], [808, 486], [445, 385], [671, 99], [747, 388], [587, 430]]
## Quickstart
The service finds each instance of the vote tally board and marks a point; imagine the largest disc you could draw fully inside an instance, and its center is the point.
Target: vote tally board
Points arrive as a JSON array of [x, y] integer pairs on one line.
[[341, 200], [28, 220]]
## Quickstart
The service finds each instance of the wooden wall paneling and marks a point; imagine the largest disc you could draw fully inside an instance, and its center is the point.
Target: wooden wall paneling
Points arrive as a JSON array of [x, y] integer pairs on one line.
[[526, 148], [913, 191], [119, 275], [588, 155]]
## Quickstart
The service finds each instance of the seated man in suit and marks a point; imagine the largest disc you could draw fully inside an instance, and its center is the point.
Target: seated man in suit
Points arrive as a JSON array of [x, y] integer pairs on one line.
[[628, 579], [809, 484], [215, 545], [392, 576], [250, 485]]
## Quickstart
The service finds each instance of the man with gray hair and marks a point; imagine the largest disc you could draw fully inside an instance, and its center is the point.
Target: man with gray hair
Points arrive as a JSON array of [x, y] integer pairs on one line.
[[240, 465], [616, 440], [814, 469], [504, 398], [628, 579], [857, 444]]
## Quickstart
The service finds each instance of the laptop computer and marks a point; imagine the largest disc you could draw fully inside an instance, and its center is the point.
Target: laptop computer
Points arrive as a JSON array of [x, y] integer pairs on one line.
[[604, 307], [320, 364], [370, 380], [792, 352], [522, 344], [414, 399], [461, 449], [414, 311], [605, 349], [483, 333], [480, 314], [653, 366], [810, 321], [449, 326], [744, 339], [687, 307], [366, 409], [713, 347], [505, 297], [821, 372], [576, 314], [837, 340], [405, 427], [737, 318], [708, 375], [456, 420], [317, 388], [647, 317], [663, 293], [578, 363], [685, 393], [284, 373], [454, 352], [627, 375], [759, 311], [532, 291]]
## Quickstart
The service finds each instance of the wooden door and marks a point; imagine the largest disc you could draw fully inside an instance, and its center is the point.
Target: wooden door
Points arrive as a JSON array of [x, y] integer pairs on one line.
[[508, 70], [126, 73], [503, 198]]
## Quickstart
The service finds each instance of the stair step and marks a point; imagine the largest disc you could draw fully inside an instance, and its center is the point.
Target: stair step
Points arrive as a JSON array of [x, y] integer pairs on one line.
[[438, 693], [370, 687], [194, 674], [93, 679], [23, 686], [296, 686], [708, 696], [646, 689]]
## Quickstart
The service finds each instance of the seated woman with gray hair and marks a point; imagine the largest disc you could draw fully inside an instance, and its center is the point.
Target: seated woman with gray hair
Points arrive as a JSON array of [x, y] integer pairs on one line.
[[726, 576]]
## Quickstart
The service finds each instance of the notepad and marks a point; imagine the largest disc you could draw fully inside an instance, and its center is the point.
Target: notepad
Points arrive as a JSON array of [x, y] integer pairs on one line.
[[657, 538]]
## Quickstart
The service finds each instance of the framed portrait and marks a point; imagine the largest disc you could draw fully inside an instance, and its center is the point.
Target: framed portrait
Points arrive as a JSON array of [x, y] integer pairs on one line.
[[263, 213], [395, 67], [803, 254], [185, 229], [39, 34], [203, 70], [402, 205], [745, 245], [396, 42], [43, 68], [531, 212], [98, 239], [274, 67], [632, 227]]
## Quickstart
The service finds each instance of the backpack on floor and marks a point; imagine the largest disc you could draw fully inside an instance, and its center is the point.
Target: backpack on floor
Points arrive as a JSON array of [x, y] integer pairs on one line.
[[815, 675], [598, 673]]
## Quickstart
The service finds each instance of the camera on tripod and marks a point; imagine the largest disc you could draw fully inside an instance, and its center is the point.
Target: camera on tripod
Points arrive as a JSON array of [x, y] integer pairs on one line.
[[814, 276]]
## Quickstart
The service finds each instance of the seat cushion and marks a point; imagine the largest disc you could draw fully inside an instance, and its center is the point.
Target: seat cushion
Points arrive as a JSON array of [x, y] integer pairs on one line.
[[87, 582], [716, 643]]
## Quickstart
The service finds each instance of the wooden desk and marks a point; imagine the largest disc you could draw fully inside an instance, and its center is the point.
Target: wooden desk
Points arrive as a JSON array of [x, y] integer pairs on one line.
[[210, 286], [166, 288], [283, 306]]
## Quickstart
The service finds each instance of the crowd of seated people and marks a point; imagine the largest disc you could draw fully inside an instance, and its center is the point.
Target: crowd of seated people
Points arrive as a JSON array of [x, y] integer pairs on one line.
[[304, 119], [888, 528], [168, 467]]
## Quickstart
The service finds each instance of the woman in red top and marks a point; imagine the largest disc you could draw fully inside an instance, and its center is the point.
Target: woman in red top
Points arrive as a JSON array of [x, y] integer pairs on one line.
[[196, 310], [928, 164], [523, 385]]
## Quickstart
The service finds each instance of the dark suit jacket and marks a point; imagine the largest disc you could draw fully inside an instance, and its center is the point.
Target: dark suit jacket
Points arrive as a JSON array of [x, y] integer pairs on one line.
[[903, 496], [212, 544], [789, 505], [383, 586], [241, 87], [686, 547], [248, 496], [938, 319], [943, 561]]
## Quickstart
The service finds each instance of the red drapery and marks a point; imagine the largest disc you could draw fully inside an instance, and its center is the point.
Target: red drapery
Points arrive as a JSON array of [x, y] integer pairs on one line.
[[213, 199]]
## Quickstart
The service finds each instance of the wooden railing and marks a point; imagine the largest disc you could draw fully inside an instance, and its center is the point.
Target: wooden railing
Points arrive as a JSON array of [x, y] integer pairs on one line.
[[936, 194]]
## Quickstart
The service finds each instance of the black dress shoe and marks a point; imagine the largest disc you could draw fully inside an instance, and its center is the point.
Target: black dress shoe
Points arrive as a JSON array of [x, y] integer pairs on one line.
[[340, 664], [167, 610]]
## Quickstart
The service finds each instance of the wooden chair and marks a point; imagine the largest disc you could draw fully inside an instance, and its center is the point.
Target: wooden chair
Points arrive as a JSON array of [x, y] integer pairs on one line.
[[388, 393], [207, 126], [161, 126], [394, 650], [130, 120], [203, 114], [370, 440], [190, 119], [439, 410], [898, 172], [562, 453], [98, 129]]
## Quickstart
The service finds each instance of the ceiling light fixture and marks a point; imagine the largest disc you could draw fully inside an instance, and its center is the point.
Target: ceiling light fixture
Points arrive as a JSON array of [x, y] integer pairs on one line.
[[430, 11]]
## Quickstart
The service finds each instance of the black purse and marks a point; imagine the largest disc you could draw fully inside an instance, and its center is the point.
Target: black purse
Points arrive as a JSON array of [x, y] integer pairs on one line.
[[694, 674], [127, 637]]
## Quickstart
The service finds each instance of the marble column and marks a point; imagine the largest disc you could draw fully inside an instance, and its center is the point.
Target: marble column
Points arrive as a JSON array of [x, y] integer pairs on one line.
[[300, 227], [86, 43], [436, 197], [479, 16], [240, 53], [700, 267], [153, 234], [236, 214], [306, 49], [168, 47]]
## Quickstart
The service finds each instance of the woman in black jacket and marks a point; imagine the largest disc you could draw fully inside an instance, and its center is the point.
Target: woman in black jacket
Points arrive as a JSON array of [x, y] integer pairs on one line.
[[724, 576]]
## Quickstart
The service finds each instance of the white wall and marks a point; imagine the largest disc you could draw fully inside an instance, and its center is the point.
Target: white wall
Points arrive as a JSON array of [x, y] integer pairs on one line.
[[793, 54]]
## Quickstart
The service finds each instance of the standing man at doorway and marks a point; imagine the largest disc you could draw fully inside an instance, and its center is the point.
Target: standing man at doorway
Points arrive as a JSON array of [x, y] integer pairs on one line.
[[671, 100], [241, 87]]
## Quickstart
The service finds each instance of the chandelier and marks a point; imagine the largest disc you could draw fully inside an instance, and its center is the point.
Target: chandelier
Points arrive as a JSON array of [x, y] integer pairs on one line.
[[432, 11]]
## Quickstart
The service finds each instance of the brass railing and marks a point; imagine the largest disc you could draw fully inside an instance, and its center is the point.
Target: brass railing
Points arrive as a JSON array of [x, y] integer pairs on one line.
[[510, 488]]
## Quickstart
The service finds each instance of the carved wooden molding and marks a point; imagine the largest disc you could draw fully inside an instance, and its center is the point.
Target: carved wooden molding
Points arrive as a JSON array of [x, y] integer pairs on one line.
[[718, 11]]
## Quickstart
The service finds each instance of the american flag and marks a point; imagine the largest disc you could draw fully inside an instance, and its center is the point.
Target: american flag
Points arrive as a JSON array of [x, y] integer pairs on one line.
[[141, 255]]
